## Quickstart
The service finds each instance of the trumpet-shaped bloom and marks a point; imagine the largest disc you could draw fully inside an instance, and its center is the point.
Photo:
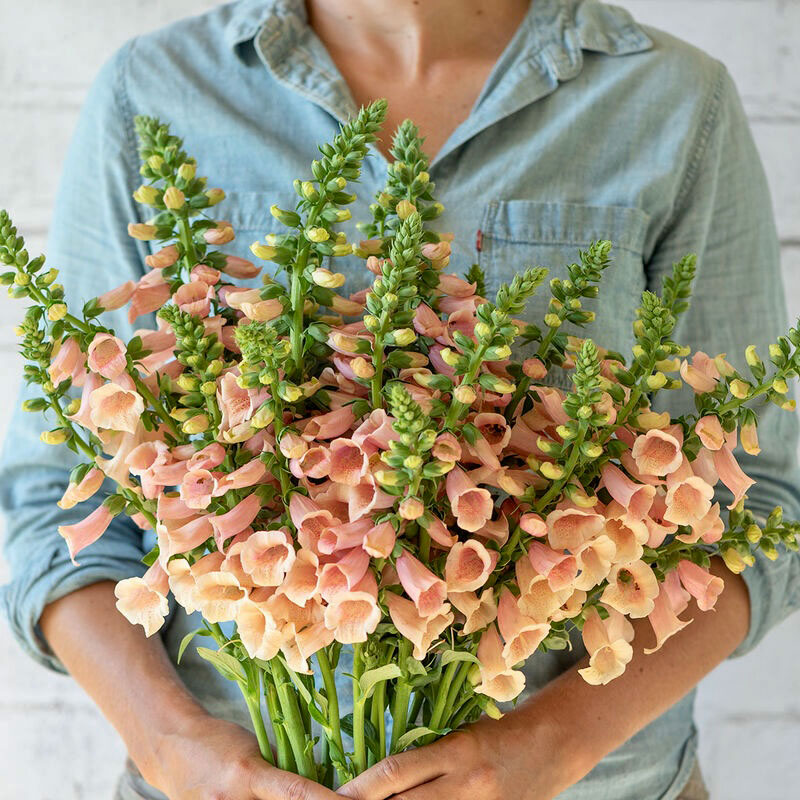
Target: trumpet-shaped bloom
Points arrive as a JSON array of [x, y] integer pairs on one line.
[[349, 463], [218, 596], [267, 556], [635, 498], [472, 506], [258, 630], [498, 680], [688, 501], [533, 524], [628, 535], [700, 584], [69, 362], [657, 453], [340, 576], [709, 430], [116, 408], [421, 631], [594, 561], [117, 297], [426, 590], [379, 540], [237, 519], [731, 474], [664, 619], [143, 601], [248, 474], [469, 565], [194, 298], [632, 589], [310, 520], [197, 488], [478, 611], [330, 425], [87, 531], [353, 615], [570, 528], [107, 356], [558, 567], [344, 537], [608, 644], [522, 635], [151, 292], [699, 374], [78, 492], [302, 579]]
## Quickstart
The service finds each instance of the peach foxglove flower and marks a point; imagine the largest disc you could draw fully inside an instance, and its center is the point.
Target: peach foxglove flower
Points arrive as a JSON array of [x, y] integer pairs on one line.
[[533, 524], [143, 601], [469, 565], [340, 576], [446, 448], [221, 234], [328, 426], [151, 292], [594, 562], [69, 362], [344, 537], [116, 408], [107, 356], [688, 501], [454, 286], [78, 492], [700, 584], [750, 439], [426, 590], [478, 611], [702, 375], [379, 540], [628, 535], [472, 506], [165, 257], [206, 274], [522, 635], [570, 528], [237, 519], [657, 453], [185, 536], [636, 498], [710, 528], [421, 631], [267, 556], [310, 520], [498, 680], [263, 310], [194, 298], [353, 615], [538, 601], [87, 531], [116, 298], [559, 568], [299, 646], [731, 474], [218, 596], [314, 463], [257, 630], [240, 267], [349, 463], [428, 323], [411, 508], [375, 432], [664, 619], [608, 644], [197, 488], [709, 429], [631, 589], [438, 531], [234, 402], [248, 474], [534, 369], [302, 579]]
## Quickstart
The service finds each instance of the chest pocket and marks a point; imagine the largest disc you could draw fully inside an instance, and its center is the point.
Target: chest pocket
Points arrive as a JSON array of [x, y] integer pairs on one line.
[[516, 234]]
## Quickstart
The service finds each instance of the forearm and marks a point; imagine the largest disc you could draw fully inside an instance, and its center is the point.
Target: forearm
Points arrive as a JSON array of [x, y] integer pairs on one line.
[[589, 722], [128, 676]]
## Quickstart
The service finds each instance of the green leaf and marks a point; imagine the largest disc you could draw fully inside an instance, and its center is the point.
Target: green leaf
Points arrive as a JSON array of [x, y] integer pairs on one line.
[[409, 737], [414, 667], [188, 638], [449, 656], [224, 663], [370, 679]]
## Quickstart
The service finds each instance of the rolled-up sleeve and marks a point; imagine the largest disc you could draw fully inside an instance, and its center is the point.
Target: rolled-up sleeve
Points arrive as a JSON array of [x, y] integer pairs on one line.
[[723, 213], [89, 245]]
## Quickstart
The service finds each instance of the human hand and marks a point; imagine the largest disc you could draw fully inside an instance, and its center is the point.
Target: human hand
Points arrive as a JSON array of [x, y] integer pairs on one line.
[[489, 760], [209, 759]]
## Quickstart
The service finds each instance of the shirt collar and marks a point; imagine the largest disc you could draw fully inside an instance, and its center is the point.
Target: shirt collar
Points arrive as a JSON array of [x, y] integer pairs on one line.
[[546, 50]]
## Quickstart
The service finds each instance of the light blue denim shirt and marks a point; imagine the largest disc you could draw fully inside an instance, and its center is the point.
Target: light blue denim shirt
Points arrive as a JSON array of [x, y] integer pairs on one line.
[[590, 126]]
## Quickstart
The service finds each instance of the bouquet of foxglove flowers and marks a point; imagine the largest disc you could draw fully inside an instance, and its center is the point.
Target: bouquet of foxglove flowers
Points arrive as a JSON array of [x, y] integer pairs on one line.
[[383, 475]]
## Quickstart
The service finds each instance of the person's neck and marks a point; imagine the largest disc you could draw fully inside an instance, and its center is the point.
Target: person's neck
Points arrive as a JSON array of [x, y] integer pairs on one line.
[[413, 35]]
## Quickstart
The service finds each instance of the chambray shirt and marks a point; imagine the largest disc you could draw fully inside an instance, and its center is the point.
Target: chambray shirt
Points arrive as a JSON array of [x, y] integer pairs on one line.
[[590, 126]]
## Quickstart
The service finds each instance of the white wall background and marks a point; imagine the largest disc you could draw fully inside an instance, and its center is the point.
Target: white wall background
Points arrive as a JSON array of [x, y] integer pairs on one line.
[[53, 744]]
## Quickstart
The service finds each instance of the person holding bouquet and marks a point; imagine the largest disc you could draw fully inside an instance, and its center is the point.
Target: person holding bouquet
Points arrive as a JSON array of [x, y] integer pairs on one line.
[[552, 124]]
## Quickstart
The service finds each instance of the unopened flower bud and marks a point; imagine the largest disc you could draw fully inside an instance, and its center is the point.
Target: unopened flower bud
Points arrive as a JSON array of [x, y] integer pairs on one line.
[[309, 190], [209, 388], [733, 561], [739, 389], [405, 209], [174, 198], [482, 330], [752, 358], [57, 436], [411, 508], [754, 534], [317, 235], [195, 424], [146, 195], [341, 250], [552, 320], [155, 162], [724, 367], [263, 417], [449, 356], [73, 406], [142, 231], [263, 251], [656, 381], [289, 392], [551, 471], [465, 394], [779, 385], [187, 171], [56, 312], [404, 336], [187, 382], [362, 368], [327, 279], [214, 196]]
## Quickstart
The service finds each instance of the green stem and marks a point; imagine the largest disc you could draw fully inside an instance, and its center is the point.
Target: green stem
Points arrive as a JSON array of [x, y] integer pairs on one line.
[[359, 740], [329, 682], [464, 711], [416, 706], [453, 693], [285, 759], [440, 702], [187, 240], [156, 404], [297, 299], [569, 467], [378, 722], [402, 694], [457, 409], [377, 379], [293, 720], [252, 696], [76, 437], [519, 393]]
